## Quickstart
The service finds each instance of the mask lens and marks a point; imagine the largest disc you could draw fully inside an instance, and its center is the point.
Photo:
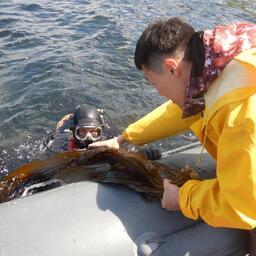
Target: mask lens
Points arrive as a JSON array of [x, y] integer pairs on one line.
[[88, 133]]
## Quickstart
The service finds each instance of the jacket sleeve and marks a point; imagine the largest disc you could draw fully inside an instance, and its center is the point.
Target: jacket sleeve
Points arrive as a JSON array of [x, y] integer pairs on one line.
[[230, 199], [164, 121]]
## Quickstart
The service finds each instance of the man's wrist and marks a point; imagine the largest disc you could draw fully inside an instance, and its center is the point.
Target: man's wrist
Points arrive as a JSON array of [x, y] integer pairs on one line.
[[120, 140]]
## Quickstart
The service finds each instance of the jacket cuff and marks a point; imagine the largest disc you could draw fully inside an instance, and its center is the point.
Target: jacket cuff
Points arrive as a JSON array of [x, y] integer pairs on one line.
[[185, 199], [125, 136]]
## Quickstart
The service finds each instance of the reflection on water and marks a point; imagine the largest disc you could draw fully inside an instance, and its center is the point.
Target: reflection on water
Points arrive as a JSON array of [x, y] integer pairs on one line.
[[55, 55]]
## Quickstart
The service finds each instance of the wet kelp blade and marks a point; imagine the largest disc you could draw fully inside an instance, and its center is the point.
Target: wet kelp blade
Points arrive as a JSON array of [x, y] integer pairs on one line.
[[100, 165]]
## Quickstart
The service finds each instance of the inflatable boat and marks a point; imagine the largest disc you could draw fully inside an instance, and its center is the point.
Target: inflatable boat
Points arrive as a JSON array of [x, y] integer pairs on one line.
[[86, 218]]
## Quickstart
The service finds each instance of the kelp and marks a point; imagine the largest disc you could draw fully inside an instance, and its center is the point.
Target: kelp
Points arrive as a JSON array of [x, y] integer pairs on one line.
[[99, 165]]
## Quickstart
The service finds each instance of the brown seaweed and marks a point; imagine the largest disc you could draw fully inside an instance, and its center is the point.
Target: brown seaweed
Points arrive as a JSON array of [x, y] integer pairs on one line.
[[100, 165]]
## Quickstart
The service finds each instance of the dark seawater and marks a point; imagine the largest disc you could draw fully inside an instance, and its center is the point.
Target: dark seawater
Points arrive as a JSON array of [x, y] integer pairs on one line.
[[55, 55]]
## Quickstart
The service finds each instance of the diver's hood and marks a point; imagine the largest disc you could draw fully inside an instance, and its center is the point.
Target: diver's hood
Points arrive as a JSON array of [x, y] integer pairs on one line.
[[88, 116]]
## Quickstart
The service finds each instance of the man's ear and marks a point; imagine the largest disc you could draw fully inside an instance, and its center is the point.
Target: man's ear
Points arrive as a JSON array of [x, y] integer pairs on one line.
[[172, 66]]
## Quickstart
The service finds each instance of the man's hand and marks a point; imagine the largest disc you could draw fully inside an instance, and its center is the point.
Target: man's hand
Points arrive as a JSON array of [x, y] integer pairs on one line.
[[111, 143], [63, 120], [170, 200]]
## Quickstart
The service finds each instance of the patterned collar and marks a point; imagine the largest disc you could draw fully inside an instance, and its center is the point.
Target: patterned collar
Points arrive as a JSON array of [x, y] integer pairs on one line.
[[211, 51]]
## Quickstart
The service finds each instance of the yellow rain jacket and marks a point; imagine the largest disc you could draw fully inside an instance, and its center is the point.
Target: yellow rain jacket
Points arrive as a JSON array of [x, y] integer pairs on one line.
[[228, 132]]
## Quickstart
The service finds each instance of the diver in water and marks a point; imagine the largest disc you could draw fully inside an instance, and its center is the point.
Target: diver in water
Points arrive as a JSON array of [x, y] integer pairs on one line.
[[76, 131], [90, 125], [87, 125]]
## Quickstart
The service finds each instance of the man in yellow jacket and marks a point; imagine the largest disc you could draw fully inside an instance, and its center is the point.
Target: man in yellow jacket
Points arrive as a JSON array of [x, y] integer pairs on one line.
[[209, 78]]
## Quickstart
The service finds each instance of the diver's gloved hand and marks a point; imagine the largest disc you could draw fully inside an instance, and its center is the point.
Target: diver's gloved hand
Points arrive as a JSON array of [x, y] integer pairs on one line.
[[63, 121], [111, 143], [150, 153]]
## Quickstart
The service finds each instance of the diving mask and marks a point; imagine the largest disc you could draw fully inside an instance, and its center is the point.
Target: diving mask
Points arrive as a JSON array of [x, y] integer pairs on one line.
[[88, 133]]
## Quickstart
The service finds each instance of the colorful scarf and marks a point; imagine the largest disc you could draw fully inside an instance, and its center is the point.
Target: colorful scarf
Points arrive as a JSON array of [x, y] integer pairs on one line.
[[213, 50]]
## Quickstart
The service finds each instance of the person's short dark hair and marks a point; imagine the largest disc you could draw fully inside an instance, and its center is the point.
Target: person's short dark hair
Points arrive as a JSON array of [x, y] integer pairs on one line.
[[161, 38]]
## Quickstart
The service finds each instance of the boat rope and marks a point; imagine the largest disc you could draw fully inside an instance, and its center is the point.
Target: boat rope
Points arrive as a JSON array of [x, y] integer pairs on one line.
[[180, 149]]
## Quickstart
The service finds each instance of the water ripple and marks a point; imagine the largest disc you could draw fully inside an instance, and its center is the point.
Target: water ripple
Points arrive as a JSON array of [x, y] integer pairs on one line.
[[30, 7], [5, 33]]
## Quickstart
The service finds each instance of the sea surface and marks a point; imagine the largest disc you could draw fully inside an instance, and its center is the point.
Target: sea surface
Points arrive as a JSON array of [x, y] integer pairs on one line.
[[55, 55]]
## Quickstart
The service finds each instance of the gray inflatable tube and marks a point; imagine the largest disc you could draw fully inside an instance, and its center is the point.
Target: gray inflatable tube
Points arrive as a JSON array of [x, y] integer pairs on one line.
[[87, 219]]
